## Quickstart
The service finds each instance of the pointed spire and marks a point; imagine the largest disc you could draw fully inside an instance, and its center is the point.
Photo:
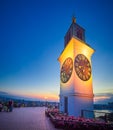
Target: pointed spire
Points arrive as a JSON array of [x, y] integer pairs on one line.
[[73, 19]]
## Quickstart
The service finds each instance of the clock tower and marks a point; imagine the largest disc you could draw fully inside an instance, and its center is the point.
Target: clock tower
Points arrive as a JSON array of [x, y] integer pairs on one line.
[[76, 90]]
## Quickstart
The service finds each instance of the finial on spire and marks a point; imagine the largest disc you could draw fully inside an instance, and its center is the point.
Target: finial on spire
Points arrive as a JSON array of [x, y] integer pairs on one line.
[[73, 19]]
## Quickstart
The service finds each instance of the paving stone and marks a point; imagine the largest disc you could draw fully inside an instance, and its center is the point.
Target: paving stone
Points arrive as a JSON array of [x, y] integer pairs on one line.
[[25, 118]]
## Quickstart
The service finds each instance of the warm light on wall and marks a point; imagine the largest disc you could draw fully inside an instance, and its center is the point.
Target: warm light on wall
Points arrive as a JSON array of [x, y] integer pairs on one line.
[[67, 52], [81, 47], [73, 48]]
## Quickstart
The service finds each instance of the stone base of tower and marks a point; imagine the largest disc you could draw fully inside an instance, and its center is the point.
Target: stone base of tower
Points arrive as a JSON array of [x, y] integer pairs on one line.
[[77, 105]]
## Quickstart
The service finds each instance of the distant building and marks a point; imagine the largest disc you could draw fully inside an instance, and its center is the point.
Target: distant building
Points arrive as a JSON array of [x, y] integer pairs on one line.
[[108, 106]]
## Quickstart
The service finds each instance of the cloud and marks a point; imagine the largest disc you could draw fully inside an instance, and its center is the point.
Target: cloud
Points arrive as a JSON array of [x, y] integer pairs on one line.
[[103, 98]]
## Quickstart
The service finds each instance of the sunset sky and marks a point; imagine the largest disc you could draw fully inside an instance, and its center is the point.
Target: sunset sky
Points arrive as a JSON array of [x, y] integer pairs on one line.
[[32, 38]]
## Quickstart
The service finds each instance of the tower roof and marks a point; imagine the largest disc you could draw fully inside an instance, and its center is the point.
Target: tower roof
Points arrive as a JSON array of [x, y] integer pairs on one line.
[[74, 30]]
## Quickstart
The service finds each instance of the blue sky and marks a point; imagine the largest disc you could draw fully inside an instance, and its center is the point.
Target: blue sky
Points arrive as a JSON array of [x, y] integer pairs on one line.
[[32, 38]]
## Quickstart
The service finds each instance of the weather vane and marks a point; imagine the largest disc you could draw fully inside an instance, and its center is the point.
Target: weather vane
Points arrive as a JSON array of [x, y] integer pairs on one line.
[[73, 19]]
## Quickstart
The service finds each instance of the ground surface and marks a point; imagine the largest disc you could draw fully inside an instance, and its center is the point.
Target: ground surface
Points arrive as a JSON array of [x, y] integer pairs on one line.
[[25, 118]]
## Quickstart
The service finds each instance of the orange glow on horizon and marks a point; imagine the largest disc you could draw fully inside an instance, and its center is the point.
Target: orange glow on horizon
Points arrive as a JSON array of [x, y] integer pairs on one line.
[[44, 96], [100, 98]]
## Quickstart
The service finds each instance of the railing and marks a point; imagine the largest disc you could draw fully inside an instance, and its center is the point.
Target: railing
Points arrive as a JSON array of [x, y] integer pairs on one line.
[[97, 115]]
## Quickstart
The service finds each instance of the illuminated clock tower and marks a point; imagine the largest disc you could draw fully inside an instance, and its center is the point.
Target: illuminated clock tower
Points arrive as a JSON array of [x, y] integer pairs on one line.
[[76, 90]]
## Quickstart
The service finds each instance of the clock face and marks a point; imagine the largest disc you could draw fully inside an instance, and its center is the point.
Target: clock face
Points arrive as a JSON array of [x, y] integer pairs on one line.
[[66, 70], [82, 67]]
